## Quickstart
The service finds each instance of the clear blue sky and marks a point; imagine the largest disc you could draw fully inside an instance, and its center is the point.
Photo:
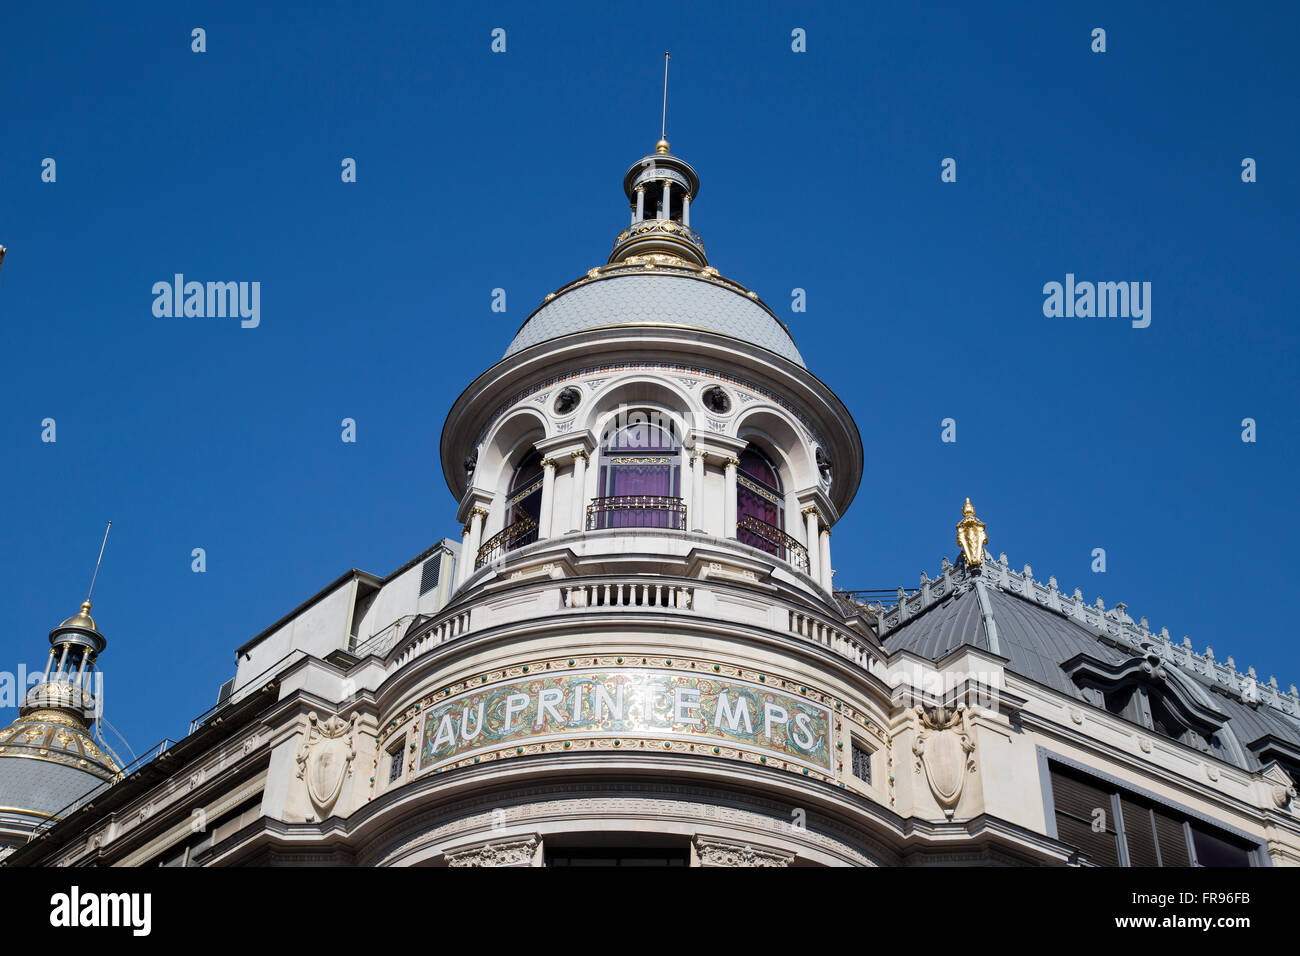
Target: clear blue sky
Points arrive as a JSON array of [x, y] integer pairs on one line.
[[820, 171]]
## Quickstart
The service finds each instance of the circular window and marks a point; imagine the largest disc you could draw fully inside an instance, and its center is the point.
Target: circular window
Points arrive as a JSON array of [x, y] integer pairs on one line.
[[716, 400], [824, 467], [567, 400]]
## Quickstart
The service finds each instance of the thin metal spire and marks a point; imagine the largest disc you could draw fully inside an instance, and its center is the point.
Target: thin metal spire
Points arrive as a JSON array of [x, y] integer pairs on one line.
[[663, 127], [97, 562]]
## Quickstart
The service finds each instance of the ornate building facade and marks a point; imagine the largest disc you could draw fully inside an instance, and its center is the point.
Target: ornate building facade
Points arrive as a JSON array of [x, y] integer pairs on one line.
[[635, 653]]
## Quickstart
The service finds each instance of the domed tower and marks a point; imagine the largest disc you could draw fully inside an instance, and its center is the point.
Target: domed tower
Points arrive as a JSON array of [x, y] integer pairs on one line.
[[652, 394], [647, 484], [48, 756]]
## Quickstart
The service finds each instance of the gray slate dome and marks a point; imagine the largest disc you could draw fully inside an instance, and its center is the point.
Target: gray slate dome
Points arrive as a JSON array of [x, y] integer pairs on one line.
[[656, 299]]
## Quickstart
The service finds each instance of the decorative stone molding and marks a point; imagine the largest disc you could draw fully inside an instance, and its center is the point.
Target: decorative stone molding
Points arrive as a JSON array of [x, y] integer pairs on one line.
[[593, 377], [943, 748], [712, 852], [325, 759], [520, 852]]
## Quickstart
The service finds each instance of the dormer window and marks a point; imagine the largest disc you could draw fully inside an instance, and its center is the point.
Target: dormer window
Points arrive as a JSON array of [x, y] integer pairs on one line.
[[1141, 691]]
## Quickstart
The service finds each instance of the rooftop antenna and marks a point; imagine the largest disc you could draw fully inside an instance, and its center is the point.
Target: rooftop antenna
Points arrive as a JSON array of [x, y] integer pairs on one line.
[[663, 127], [97, 563]]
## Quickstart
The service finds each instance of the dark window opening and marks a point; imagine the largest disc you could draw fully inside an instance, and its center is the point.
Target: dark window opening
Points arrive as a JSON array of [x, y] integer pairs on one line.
[[1218, 849], [618, 856], [1112, 827], [861, 763]]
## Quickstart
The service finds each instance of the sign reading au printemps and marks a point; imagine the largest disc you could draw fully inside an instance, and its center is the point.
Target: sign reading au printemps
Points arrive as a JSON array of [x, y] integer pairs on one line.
[[628, 702]]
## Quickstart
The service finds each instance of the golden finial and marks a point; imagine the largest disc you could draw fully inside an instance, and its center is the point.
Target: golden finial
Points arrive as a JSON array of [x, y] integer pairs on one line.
[[971, 537], [661, 146]]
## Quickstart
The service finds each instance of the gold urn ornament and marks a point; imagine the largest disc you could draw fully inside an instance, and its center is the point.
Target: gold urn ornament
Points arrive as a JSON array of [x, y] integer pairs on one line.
[[971, 537]]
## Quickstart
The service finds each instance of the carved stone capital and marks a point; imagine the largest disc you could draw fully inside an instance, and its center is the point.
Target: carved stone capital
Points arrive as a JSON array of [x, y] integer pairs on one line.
[[517, 852], [712, 852]]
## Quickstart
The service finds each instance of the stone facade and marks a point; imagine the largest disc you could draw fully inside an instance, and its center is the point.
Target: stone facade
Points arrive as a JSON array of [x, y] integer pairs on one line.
[[636, 646]]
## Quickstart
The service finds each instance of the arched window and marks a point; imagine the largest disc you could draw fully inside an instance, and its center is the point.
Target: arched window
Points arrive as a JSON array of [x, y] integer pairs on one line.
[[760, 505], [525, 498], [640, 476], [523, 512]]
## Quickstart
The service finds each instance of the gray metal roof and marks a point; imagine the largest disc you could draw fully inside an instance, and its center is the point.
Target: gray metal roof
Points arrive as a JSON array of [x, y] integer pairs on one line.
[[1037, 640], [41, 785], [656, 299]]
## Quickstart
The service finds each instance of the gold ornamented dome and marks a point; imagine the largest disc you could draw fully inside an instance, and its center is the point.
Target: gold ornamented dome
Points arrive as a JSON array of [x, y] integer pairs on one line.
[[48, 756]]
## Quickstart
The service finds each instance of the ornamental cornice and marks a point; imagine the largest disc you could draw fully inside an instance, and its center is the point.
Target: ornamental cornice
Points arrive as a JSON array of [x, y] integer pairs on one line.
[[594, 376], [711, 809]]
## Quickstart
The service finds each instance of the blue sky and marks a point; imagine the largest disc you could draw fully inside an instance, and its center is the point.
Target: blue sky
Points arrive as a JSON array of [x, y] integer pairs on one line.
[[477, 170]]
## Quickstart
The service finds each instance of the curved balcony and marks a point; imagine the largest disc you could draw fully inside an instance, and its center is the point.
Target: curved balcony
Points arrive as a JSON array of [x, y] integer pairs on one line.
[[522, 532], [759, 534], [637, 511]]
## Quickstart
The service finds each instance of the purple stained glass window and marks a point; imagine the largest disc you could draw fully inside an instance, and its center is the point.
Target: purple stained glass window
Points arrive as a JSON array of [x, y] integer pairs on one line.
[[759, 497], [640, 480]]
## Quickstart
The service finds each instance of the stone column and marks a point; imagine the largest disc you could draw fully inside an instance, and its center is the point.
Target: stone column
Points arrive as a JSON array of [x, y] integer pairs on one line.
[[579, 504], [813, 524], [548, 499], [826, 559], [640, 204], [697, 491], [729, 502], [471, 539], [686, 210], [668, 192]]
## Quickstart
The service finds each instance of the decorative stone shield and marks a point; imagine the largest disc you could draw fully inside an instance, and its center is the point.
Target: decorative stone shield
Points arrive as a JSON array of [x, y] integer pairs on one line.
[[325, 759], [943, 747]]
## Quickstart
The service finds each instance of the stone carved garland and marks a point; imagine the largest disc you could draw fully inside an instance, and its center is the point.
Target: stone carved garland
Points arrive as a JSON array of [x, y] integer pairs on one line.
[[943, 748], [325, 759]]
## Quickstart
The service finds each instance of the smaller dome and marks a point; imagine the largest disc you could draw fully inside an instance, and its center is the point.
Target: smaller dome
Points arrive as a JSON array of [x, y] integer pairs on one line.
[[81, 619], [49, 758]]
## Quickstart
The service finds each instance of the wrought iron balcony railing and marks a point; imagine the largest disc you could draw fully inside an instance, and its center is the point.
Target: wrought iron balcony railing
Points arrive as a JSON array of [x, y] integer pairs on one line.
[[759, 534], [637, 511], [522, 532]]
